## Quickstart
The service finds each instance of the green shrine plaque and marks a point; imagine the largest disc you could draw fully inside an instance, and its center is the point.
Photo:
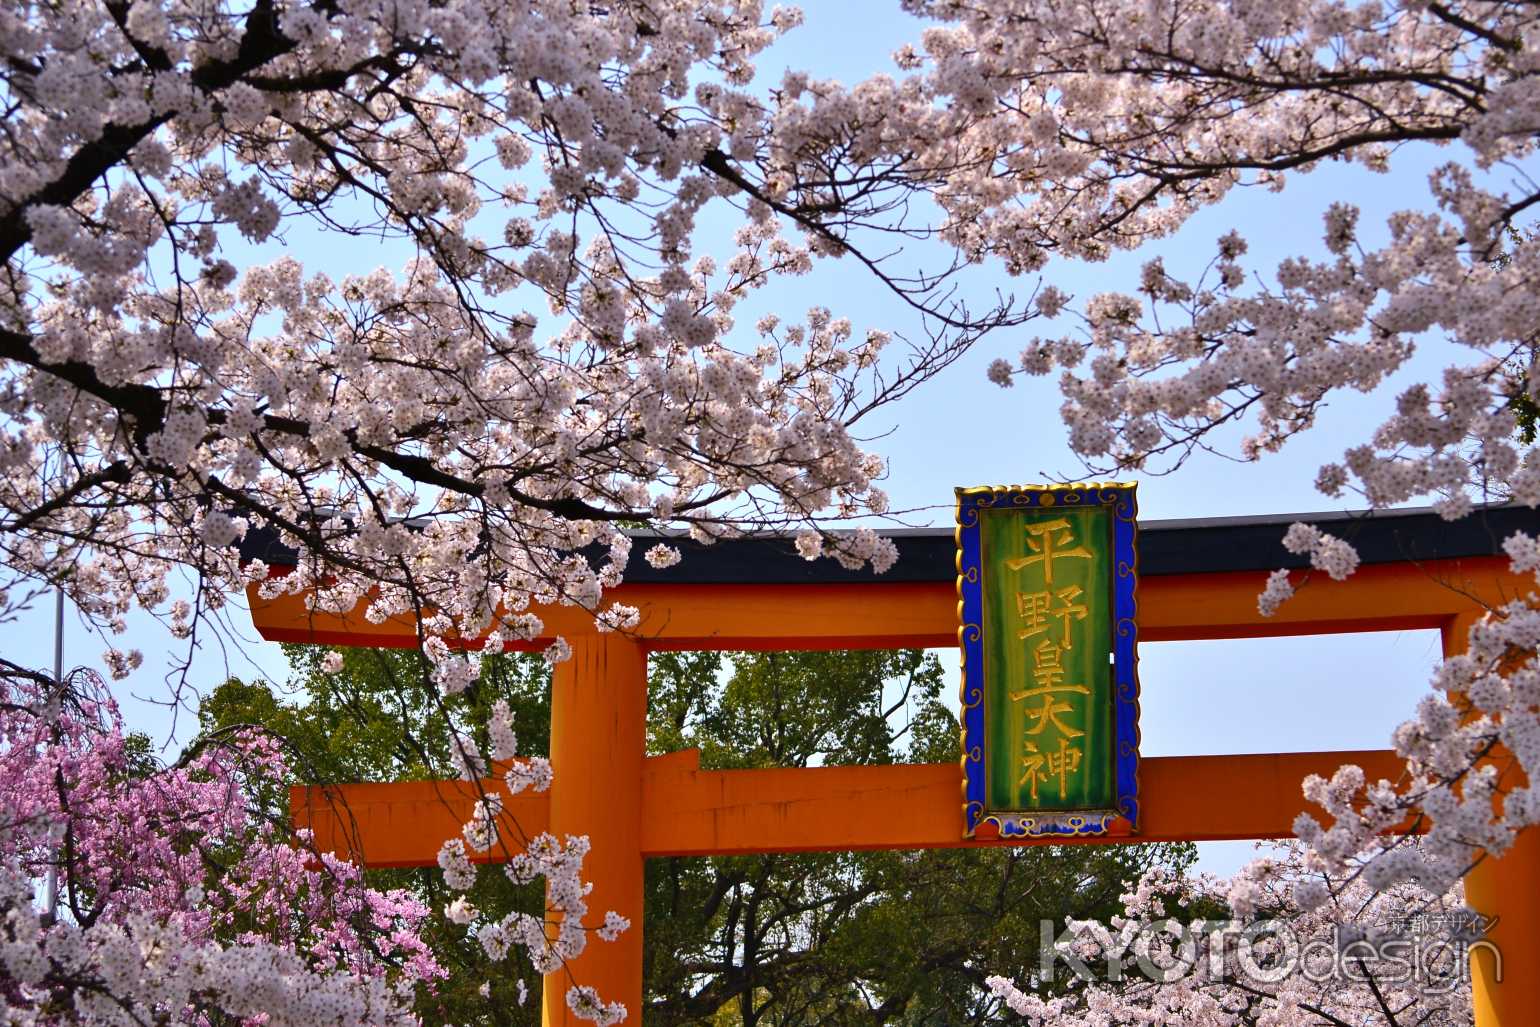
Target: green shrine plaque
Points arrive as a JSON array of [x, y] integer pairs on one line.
[[1046, 578]]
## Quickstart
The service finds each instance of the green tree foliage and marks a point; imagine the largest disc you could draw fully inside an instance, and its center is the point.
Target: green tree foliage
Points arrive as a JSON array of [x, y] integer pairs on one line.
[[374, 720], [781, 939]]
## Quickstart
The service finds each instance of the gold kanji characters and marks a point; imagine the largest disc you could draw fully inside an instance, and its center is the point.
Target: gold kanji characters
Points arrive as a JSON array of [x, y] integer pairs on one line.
[[1037, 611], [1050, 541], [1056, 724], [1049, 712], [1048, 679], [1039, 767]]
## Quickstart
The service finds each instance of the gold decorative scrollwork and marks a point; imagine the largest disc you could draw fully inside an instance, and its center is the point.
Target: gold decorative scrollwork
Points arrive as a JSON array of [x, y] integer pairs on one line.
[[972, 810], [1058, 824]]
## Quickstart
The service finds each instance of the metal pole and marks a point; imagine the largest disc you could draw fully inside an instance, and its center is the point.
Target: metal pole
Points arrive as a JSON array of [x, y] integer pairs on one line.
[[58, 638], [52, 882]]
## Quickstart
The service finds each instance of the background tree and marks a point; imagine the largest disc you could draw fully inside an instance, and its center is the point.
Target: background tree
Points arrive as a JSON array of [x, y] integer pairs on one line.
[[845, 938]]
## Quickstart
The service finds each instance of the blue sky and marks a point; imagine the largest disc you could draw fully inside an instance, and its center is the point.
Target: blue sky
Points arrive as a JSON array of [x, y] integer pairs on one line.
[[1213, 697]]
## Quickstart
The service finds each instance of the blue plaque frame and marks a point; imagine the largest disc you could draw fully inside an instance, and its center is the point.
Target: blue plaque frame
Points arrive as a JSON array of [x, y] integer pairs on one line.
[[979, 821]]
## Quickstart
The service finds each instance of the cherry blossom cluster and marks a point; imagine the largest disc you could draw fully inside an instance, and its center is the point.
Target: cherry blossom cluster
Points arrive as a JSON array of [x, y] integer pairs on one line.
[[548, 941], [157, 401], [1106, 125], [1472, 752], [1191, 973], [134, 893]]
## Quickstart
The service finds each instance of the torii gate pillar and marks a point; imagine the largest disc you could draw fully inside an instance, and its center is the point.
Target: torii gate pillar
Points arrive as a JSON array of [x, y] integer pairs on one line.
[[1505, 989], [598, 744]]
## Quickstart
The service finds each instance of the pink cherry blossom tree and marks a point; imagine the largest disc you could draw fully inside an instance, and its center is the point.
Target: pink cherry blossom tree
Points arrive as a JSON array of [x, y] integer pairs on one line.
[[169, 896], [549, 360], [160, 400]]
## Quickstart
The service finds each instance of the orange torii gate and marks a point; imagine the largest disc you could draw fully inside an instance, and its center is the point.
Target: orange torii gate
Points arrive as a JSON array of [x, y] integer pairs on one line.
[[1198, 580]]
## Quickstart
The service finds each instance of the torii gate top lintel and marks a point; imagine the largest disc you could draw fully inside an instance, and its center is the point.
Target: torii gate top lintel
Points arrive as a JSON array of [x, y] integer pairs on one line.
[[1198, 579], [1201, 545]]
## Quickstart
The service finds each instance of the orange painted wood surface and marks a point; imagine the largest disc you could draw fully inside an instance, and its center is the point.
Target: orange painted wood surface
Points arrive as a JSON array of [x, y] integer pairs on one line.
[[403, 823], [598, 751], [1505, 987], [897, 615], [688, 811]]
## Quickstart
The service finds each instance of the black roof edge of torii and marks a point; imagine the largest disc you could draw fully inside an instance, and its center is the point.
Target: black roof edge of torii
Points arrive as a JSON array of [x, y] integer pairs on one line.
[[1196, 546]]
